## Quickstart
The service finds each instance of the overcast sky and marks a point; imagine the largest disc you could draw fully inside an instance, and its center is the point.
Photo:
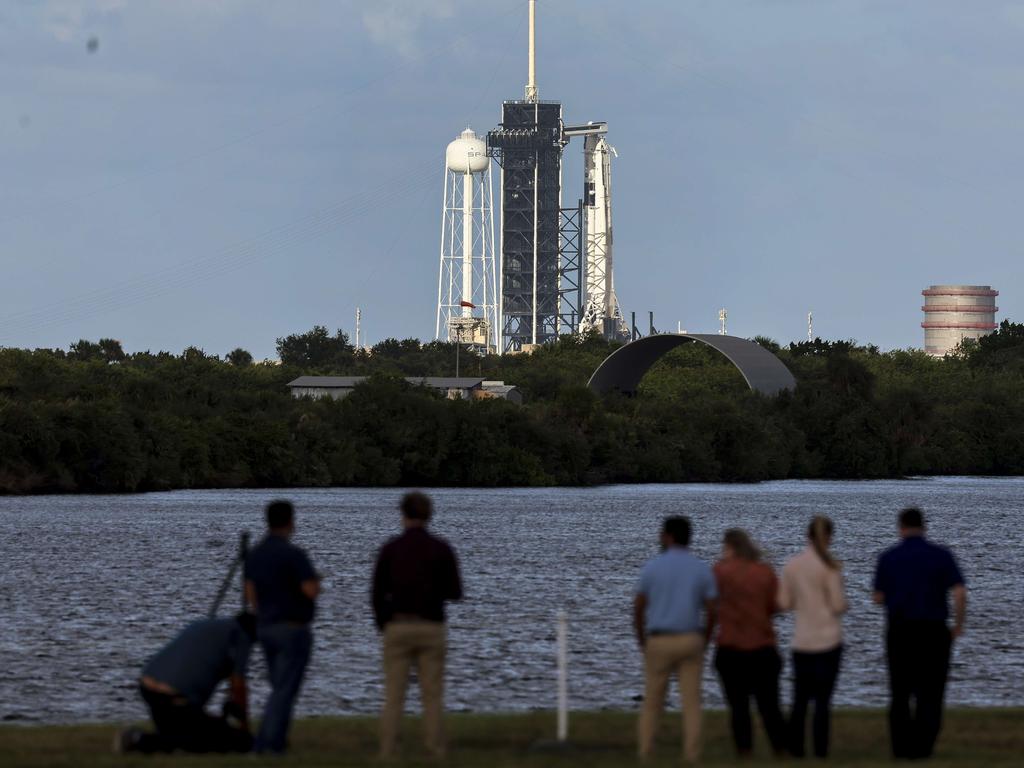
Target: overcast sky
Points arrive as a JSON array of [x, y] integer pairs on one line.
[[223, 172]]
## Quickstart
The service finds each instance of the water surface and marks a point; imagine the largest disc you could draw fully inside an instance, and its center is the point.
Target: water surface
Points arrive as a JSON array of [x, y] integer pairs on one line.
[[92, 585]]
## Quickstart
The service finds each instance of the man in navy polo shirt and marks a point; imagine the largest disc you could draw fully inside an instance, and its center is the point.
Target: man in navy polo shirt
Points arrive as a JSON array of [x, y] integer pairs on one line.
[[913, 580], [281, 586]]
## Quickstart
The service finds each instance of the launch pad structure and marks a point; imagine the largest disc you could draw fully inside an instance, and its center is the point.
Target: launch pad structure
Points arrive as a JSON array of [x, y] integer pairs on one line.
[[556, 262]]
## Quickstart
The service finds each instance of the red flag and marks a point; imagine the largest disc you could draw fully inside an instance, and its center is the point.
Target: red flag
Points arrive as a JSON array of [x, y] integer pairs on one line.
[[467, 304]]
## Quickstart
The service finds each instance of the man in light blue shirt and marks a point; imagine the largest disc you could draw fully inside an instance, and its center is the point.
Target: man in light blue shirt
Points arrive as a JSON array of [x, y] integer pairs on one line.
[[673, 590]]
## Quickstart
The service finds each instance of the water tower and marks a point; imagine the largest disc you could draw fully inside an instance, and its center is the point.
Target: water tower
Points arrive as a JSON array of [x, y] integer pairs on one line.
[[467, 310]]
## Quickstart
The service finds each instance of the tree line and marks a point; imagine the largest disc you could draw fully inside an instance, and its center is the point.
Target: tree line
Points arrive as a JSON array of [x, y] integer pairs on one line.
[[94, 418]]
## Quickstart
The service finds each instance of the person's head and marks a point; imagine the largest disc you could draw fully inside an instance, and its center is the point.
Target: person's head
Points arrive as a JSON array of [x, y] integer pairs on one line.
[[281, 518], [819, 533], [737, 543], [675, 532], [416, 509], [911, 522], [247, 621]]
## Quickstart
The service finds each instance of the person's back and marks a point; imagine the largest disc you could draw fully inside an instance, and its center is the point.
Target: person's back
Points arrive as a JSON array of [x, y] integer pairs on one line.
[[913, 581], [674, 588], [814, 592], [281, 586], [915, 576], [746, 659], [676, 584], [812, 587], [746, 603], [178, 680], [203, 654], [415, 574]]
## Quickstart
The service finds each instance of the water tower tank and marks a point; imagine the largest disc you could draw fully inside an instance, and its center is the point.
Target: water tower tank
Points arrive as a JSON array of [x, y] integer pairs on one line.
[[956, 312], [468, 153]]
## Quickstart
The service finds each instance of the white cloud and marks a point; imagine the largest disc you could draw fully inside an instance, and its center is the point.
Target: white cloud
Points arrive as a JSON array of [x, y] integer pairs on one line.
[[397, 23], [67, 20]]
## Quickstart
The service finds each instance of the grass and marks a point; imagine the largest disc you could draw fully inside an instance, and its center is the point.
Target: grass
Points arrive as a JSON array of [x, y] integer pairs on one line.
[[971, 737]]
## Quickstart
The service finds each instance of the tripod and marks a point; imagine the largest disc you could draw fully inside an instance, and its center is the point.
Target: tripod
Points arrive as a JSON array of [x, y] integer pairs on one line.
[[243, 553]]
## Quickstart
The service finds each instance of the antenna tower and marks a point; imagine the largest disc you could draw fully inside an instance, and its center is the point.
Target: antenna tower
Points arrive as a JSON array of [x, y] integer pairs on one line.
[[810, 326], [723, 315]]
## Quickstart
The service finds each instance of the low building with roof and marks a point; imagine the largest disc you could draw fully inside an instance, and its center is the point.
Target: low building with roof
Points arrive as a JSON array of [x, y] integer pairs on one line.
[[454, 388]]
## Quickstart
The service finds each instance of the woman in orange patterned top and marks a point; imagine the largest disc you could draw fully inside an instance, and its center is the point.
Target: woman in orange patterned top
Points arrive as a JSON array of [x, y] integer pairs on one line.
[[747, 660]]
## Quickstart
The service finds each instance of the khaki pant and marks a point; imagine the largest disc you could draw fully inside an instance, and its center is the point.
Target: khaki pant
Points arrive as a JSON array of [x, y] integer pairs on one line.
[[419, 643], [663, 655]]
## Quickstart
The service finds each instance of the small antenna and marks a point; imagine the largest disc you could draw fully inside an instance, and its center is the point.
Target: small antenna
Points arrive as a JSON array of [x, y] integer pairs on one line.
[[810, 326], [531, 80], [723, 315], [359, 328]]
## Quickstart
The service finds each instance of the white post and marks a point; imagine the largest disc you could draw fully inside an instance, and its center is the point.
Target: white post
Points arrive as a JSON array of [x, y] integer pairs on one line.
[[563, 676]]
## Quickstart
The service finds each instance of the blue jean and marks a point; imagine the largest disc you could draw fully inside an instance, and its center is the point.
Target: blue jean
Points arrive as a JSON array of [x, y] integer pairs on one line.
[[287, 648]]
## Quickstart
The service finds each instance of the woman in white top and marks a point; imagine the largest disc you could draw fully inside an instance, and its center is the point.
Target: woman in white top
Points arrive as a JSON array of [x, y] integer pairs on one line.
[[812, 587]]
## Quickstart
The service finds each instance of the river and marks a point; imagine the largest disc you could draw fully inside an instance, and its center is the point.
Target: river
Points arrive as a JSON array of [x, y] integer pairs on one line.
[[92, 585]]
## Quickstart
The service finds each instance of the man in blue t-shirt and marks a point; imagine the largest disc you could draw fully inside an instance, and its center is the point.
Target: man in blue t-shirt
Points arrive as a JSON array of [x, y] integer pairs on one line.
[[674, 589], [913, 580], [181, 678], [282, 587]]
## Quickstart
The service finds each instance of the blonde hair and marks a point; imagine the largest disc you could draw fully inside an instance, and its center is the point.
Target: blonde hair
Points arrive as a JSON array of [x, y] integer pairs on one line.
[[819, 532]]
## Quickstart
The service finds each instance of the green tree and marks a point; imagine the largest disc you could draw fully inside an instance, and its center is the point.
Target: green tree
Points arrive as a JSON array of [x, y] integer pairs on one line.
[[239, 358], [110, 350], [315, 349]]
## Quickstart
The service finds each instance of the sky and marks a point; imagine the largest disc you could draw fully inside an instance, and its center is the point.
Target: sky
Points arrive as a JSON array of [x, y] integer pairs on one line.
[[220, 173]]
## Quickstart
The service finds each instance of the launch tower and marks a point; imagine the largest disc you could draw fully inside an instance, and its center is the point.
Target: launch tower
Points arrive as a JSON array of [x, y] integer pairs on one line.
[[528, 146]]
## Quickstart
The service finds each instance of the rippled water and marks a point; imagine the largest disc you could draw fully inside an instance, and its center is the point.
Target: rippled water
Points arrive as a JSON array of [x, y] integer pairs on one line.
[[90, 586]]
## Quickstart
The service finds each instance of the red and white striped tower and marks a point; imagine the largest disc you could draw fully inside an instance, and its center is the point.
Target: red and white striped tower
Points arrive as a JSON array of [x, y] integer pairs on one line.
[[953, 313]]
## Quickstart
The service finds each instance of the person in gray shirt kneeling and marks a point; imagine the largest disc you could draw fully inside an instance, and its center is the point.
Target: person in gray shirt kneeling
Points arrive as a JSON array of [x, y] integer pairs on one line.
[[181, 678]]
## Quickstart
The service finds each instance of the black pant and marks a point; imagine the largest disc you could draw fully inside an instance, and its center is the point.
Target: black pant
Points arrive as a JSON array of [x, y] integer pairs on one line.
[[814, 677], [752, 673], [185, 726], [918, 655]]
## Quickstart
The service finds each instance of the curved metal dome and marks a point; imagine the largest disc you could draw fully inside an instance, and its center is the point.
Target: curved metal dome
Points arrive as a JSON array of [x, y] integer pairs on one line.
[[622, 370]]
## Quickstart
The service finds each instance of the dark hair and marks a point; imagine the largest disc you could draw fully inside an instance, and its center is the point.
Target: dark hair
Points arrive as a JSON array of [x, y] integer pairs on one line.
[[279, 515], [819, 531], [247, 620], [416, 506], [678, 528], [739, 541], [911, 517]]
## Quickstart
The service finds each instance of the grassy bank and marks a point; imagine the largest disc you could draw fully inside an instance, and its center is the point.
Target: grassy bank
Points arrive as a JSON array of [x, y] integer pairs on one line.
[[972, 737]]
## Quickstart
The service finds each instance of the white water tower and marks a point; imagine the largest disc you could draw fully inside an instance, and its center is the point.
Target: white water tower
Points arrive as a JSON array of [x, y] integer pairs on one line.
[[467, 307]]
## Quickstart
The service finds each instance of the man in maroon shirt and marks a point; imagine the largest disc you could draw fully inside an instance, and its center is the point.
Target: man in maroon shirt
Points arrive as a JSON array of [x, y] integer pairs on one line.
[[415, 574]]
